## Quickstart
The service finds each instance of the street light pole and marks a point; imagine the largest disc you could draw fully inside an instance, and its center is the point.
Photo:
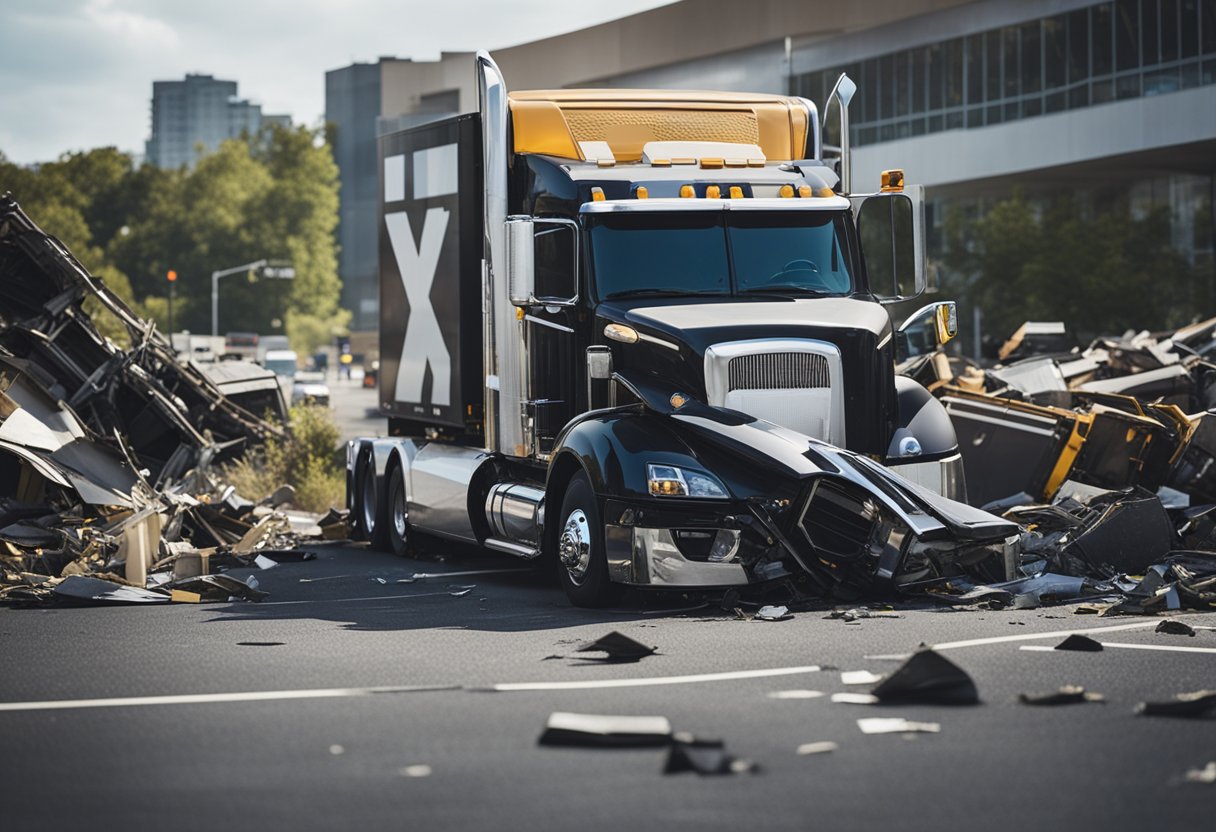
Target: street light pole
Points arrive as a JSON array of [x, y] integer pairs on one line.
[[215, 290]]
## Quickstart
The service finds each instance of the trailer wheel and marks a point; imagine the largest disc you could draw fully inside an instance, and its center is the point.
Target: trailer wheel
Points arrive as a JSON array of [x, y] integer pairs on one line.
[[398, 514], [371, 508], [582, 565]]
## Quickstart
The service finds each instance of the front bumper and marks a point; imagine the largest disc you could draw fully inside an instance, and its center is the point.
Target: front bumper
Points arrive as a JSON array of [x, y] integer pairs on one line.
[[650, 557]]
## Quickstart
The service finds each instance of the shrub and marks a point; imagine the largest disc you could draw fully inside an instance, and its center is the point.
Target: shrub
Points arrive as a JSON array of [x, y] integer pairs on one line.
[[309, 460]]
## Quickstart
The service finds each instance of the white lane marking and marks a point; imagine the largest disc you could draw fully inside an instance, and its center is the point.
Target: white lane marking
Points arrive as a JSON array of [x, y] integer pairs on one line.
[[979, 642], [208, 698], [1167, 648], [656, 680]]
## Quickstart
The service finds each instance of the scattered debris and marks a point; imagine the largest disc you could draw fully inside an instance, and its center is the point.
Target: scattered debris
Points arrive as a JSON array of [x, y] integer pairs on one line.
[[1067, 695], [1080, 643], [773, 614], [688, 753], [1207, 774], [859, 677], [1197, 704], [460, 593], [930, 678], [858, 613], [824, 747], [618, 648], [896, 725], [795, 694], [98, 590], [260, 643], [854, 698], [593, 730], [1175, 628], [109, 456]]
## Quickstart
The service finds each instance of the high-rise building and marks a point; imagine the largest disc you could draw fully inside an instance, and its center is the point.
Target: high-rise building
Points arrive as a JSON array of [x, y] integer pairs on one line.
[[191, 117]]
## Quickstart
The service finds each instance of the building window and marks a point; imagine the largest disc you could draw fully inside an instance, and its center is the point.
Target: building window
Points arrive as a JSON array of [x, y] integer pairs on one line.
[[1109, 51]]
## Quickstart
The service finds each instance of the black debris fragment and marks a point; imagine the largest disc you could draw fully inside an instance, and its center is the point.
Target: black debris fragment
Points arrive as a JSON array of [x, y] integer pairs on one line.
[[219, 588], [1175, 628], [618, 649], [705, 757], [930, 678], [99, 591], [1080, 643], [1197, 704], [597, 731], [1067, 695]]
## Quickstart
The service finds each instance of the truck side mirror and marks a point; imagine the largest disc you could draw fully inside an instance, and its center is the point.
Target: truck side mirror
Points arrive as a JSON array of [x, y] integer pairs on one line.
[[891, 229], [927, 329], [542, 261], [521, 263]]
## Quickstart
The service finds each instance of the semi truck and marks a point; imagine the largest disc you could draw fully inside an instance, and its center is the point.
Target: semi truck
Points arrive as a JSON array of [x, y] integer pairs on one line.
[[640, 335]]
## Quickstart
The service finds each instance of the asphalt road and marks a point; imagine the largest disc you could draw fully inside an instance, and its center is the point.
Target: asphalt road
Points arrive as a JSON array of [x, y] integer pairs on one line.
[[267, 716], [356, 409]]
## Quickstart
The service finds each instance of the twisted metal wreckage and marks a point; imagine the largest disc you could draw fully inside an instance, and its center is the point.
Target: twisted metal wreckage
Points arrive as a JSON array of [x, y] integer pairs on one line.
[[108, 456], [108, 464]]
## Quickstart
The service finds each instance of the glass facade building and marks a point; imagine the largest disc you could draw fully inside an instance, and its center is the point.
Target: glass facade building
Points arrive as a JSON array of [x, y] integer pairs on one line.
[[1106, 52]]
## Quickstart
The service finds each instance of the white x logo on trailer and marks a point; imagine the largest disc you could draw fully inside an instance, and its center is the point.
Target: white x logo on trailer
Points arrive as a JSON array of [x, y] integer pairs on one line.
[[423, 338]]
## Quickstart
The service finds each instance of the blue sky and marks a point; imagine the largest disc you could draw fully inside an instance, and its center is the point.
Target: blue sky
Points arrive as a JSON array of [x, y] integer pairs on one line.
[[77, 74]]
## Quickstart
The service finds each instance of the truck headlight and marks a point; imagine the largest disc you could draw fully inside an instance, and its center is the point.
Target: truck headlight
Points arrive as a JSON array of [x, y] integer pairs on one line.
[[673, 481]]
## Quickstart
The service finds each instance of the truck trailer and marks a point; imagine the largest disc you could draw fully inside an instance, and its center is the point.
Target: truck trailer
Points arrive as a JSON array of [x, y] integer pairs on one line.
[[641, 334]]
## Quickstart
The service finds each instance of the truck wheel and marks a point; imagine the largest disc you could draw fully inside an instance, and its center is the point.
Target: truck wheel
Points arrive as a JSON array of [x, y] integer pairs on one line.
[[398, 513], [582, 564], [371, 509]]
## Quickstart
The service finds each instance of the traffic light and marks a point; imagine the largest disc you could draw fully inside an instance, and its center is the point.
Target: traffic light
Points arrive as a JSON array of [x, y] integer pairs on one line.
[[171, 276]]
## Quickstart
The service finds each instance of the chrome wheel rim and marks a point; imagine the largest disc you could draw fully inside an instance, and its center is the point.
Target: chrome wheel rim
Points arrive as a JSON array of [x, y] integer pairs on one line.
[[574, 546]]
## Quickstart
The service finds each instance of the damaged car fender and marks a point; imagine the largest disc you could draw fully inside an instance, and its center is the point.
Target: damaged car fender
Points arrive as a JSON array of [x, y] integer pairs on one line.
[[924, 447]]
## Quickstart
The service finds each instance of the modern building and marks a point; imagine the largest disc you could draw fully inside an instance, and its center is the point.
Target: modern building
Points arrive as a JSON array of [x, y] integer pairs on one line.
[[1112, 100], [192, 117]]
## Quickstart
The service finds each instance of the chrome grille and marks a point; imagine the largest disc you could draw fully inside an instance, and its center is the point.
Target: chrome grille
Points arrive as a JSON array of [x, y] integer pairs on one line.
[[778, 370]]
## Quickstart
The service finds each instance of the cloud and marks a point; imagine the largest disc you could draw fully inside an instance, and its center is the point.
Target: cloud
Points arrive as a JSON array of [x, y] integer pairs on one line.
[[78, 73], [129, 25]]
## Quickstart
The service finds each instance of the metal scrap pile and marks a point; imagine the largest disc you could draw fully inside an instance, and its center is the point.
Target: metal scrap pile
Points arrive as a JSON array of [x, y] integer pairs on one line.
[[108, 455], [1106, 457]]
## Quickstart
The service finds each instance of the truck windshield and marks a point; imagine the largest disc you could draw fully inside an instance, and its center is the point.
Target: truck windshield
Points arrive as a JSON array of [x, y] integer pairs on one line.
[[720, 253]]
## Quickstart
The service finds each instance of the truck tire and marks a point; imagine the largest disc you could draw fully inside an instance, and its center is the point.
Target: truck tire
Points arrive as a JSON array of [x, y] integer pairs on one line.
[[398, 512], [373, 517], [582, 564]]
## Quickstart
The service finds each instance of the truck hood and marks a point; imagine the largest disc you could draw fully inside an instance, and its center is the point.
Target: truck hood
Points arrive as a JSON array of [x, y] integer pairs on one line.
[[704, 323]]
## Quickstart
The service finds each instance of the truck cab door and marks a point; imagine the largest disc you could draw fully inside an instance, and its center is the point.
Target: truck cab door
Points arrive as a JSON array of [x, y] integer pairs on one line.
[[552, 331]]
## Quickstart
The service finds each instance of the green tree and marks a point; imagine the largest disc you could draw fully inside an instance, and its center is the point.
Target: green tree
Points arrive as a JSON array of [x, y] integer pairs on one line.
[[1046, 260], [272, 196]]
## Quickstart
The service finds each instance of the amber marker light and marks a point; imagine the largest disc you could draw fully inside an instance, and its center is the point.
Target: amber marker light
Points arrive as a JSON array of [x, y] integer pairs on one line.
[[597, 194], [687, 191], [713, 192]]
